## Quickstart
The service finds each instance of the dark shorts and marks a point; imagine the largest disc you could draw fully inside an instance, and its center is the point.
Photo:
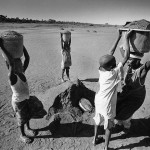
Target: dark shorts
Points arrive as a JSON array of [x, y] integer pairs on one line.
[[29, 108], [22, 111]]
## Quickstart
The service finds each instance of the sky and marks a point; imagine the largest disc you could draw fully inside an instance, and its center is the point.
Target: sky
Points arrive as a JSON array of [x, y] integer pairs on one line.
[[115, 12]]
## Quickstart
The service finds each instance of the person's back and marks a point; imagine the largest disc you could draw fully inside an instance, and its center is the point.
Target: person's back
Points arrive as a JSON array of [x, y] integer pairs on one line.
[[20, 89], [66, 57], [107, 94]]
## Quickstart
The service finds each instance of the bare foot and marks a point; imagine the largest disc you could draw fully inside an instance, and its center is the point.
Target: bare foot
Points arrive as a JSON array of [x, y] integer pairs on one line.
[[32, 132], [126, 131], [26, 139], [97, 140], [62, 80]]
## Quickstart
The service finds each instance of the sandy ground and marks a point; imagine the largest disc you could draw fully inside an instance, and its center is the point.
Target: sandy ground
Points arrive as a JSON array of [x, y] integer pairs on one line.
[[44, 77]]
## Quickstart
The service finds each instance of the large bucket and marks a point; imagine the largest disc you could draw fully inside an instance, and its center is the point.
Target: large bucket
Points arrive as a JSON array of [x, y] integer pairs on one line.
[[13, 43], [66, 36], [139, 40]]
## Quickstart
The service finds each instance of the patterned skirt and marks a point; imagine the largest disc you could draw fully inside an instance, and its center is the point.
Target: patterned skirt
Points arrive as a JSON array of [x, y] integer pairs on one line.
[[28, 109]]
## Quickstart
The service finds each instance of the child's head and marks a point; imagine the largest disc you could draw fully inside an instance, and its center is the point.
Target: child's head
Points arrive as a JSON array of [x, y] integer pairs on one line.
[[107, 62]]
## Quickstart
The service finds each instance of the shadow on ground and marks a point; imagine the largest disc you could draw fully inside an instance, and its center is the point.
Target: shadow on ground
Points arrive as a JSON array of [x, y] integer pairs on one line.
[[68, 130], [65, 119], [139, 127], [91, 80]]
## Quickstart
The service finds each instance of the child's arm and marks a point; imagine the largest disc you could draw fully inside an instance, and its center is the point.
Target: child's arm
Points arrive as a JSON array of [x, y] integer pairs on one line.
[[127, 47], [12, 76], [27, 59], [61, 41], [69, 42], [112, 50], [69, 45]]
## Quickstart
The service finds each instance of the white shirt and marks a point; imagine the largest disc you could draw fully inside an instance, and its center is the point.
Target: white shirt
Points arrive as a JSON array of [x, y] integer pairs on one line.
[[105, 99]]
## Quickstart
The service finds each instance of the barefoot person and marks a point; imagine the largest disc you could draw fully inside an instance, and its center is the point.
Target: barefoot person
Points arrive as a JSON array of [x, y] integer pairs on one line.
[[20, 89], [134, 92], [110, 76], [66, 57]]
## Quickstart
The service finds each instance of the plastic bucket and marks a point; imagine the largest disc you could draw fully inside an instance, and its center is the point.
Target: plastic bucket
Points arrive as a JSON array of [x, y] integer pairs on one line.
[[13, 43]]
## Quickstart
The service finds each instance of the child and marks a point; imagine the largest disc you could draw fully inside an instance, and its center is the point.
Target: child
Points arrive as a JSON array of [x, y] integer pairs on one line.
[[105, 99], [66, 58], [20, 89]]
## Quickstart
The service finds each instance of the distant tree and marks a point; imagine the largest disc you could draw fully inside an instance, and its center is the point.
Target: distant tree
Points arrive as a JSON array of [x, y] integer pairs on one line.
[[3, 18], [91, 25], [52, 21], [17, 20]]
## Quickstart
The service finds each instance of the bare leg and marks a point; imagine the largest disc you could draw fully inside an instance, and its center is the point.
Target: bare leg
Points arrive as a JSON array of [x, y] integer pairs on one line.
[[23, 136], [107, 138], [22, 130], [95, 134], [28, 126], [67, 73], [97, 140], [63, 71]]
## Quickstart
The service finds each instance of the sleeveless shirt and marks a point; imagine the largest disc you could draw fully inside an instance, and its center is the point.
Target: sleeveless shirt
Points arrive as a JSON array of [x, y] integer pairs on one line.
[[20, 90]]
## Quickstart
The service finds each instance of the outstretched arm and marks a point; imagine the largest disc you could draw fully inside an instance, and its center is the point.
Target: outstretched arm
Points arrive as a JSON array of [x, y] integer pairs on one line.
[[127, 47], [27, 59], [61, 41], [69, 42], [112, 50]]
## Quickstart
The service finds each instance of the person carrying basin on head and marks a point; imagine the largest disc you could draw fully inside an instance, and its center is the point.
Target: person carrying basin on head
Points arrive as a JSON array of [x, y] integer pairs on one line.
[[66, 53], [20, 98], [134, 91]]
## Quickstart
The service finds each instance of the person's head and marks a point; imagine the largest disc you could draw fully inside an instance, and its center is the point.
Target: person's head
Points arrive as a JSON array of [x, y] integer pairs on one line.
[[134, 61], [107, 62]]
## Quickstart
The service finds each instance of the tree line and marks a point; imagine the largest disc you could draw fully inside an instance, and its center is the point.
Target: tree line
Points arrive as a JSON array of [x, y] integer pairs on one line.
[[5, 19]]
